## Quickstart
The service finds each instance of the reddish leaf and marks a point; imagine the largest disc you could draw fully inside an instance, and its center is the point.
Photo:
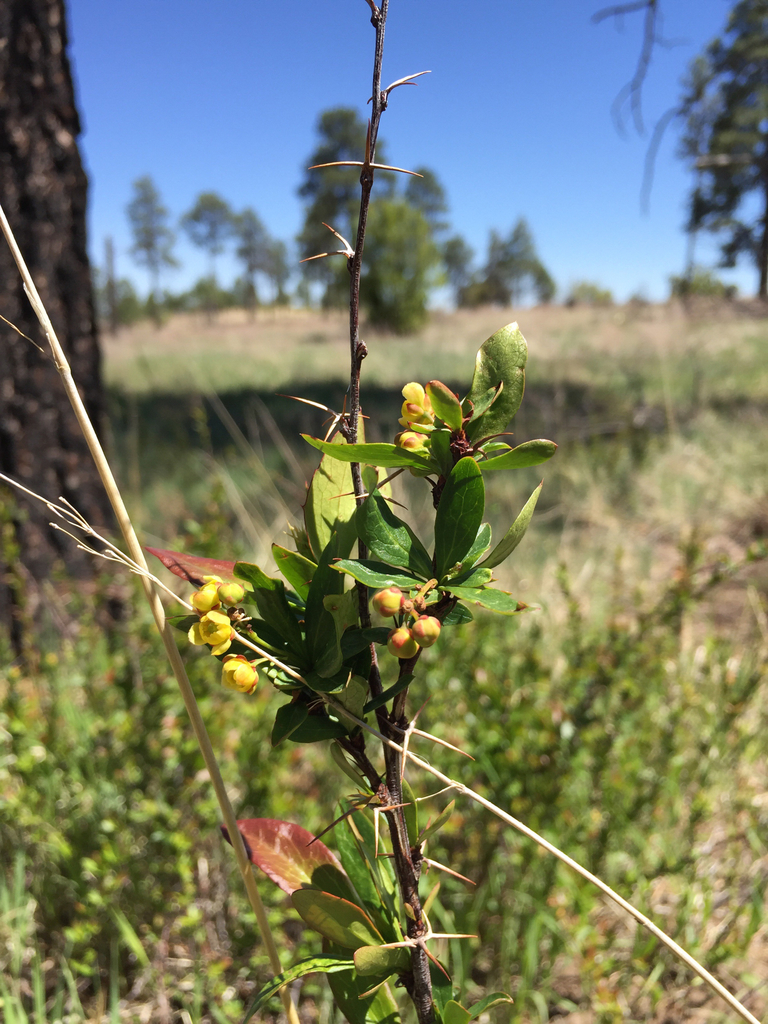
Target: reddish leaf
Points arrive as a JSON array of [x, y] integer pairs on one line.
[[192, 568], [282, 851]]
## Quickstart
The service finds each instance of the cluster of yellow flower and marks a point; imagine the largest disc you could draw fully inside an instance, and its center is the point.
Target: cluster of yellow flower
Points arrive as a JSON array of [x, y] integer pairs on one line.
[[214, 628], [416, 412], [404, 641]]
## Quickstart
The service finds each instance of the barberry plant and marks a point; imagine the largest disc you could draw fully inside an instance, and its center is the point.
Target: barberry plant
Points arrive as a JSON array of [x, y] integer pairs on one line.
[[315, 637]]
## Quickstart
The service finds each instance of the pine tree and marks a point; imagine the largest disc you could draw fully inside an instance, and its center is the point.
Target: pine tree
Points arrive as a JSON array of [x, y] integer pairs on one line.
[[152, 237], [252, 251], [725, 106]]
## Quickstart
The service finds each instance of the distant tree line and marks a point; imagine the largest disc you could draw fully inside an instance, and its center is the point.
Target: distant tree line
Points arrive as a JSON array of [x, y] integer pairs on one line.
[[410, 251]]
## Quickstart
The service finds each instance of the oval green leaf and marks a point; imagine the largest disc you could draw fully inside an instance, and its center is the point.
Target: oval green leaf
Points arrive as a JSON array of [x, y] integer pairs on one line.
[[376, 574], [330, 506], [501, 359], [389, 538], [338, 920], [381, 961], [530, 453], [495, 600], [459, 515], [446, 405], [297, 569], [310, 965], [389, 456]]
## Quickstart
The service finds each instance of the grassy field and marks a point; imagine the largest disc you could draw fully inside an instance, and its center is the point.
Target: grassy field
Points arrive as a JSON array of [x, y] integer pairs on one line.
[[623, 717]]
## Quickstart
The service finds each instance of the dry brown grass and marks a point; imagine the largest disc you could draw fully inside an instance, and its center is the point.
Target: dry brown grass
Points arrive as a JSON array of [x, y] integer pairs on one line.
[[292, 346]]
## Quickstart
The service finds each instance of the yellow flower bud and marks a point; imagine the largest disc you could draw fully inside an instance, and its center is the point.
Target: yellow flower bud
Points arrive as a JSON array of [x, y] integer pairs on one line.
[[410, 440], [205, 599], [239, 674], [401, 643], [231, 593]]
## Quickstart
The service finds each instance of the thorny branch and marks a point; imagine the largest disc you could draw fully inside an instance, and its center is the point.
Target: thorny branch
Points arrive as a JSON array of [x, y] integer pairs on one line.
[[388, 789]]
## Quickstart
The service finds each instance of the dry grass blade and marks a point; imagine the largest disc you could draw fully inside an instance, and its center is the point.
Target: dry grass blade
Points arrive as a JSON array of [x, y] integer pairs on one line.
[[23, 335], [158, 613]]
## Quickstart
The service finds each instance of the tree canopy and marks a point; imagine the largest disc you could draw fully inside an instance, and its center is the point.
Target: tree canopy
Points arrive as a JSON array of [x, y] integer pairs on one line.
[[512, 270], [152, 237], [210, 224], [725, 106]]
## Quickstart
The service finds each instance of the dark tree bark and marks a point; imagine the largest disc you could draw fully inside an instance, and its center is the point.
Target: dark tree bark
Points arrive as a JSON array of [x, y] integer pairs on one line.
[[43, 191]]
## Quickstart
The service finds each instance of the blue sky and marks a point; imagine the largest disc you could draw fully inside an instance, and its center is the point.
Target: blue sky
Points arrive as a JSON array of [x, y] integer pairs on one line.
[[515, 118]]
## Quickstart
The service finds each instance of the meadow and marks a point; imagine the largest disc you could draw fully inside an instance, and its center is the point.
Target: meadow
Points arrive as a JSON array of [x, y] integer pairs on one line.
[[622, 716]]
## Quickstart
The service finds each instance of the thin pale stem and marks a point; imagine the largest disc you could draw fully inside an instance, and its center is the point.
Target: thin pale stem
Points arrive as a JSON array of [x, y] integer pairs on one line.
[[156, 606]]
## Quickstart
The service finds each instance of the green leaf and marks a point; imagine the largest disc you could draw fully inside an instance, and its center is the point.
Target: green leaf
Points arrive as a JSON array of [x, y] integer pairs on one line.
[[343, 609], [530, 453], [440, 447], [377, 702], [442, 989], [454, 1013], [350, 770], [495, 446], [287, 720], [297, 569], [495, 600], [338, 920], [273, 606], [352, 698], [323, 684], [480, 546], [438, 823], [310, 965], [485, 401], [322, 637], [459, 515], [501, 359], [492, 999], [330, 506], [183, 622], [514, 534], [457, 616], [470, 578], [389, 538], [389, 456], [381, 961], [317, 728], [354, 862], [349, 993], [377, 574], [446, 405], [356, 640]]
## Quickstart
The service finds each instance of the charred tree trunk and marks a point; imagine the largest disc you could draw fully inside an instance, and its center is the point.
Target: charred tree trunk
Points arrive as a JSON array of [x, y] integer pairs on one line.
[[43, 190]]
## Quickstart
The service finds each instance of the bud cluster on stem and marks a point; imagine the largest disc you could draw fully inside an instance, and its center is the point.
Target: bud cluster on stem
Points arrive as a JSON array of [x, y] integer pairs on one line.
[[415, 630]]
